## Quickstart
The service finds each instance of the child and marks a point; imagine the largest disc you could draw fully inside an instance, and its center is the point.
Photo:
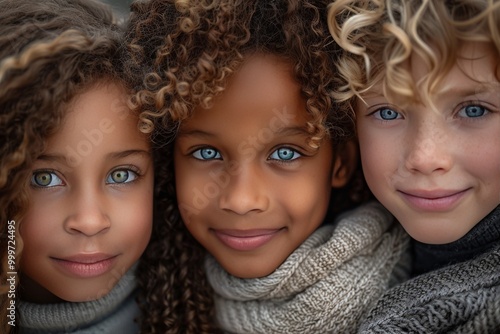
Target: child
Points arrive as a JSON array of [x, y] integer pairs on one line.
[[425, 81], [76, 174], [258, 143]]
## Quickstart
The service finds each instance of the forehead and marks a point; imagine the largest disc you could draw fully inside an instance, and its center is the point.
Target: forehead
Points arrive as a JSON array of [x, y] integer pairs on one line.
[[262, 88], [99, 111]]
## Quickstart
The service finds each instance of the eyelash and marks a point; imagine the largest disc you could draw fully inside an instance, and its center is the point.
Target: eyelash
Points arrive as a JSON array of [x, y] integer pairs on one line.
[[135, 171], [53, 174], [296, 155], [197, 154], [377, 114], [466, 104]]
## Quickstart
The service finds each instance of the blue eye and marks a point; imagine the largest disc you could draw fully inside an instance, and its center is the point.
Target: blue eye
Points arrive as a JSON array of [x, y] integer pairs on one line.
[[285, 154], [121, 176], [386, 114], [206, 153], [46, 179], [472, 111]]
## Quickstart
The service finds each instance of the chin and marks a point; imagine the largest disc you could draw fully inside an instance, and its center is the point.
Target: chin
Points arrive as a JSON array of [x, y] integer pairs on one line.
[[249, 271]]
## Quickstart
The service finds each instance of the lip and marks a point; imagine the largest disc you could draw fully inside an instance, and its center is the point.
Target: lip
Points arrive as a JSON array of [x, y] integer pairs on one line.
[[86, 265], [246, 240], [436, 200]]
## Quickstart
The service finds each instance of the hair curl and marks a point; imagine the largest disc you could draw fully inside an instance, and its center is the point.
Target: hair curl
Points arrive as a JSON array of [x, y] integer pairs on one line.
[[379, 38], [50, 51], [180, 56], [183, 52]]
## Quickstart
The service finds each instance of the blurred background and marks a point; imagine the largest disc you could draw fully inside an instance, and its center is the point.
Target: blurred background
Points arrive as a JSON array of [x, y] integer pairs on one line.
[[119, 6]]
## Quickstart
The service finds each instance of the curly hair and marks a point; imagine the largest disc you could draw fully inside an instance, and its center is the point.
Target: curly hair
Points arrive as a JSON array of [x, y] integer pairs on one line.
[[50, 51], [183, 52], [181, 55], [379, 38]]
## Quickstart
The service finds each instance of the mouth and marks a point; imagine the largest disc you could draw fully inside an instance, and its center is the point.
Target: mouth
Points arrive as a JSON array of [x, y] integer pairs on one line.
[[438, 200], [86, 265], [246, 240]]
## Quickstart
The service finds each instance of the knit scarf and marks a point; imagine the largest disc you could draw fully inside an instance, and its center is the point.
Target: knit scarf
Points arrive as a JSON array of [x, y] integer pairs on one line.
[[113, 313], [325, 286], [481, 238], [462, 297]]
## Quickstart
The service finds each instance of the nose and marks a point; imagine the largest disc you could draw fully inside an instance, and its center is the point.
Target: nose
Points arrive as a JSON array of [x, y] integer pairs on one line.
[[430, 148], [245, 192], [87, 215]]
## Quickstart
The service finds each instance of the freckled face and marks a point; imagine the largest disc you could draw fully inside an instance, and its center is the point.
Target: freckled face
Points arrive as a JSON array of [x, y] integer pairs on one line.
[[250, 189], [90, 217], [437, 170]]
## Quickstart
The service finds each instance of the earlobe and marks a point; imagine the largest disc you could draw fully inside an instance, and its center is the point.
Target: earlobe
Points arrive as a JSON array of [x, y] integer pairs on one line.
[[345, 164]]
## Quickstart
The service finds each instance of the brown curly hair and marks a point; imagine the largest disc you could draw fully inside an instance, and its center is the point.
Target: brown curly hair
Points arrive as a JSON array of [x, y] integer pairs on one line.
[[180, 56], [50, 51], [380, 36]]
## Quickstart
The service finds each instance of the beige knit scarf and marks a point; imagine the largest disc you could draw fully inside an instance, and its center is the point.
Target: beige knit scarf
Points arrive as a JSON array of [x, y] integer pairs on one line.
[[325, 286]]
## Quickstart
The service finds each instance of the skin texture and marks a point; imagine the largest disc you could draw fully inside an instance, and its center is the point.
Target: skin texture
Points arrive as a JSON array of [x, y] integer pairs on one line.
[[250, 189], [91, 202], [437, 169]]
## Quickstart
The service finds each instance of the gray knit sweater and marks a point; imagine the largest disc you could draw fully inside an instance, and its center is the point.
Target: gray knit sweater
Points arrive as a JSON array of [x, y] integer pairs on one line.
[[463, 296], [113, 313], [324, 286]]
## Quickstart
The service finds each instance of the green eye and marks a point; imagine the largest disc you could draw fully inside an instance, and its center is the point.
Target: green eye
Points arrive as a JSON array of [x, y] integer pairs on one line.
[[42, 179], [121, 176], [45, 179]]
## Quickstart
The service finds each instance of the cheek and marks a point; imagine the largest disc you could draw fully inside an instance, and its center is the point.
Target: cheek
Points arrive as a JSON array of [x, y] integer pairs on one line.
[[486, 169], [39, 224], [195, 191], [379, 159], [37, 234], [306, 200], [183, 181], [136, 218]]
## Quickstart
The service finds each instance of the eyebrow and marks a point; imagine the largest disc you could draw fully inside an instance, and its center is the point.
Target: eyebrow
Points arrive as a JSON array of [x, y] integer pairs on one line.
[[293, 131], [61, 158], [124, 154], [52, 158], [195, 133], [467, 91], [285, 131]]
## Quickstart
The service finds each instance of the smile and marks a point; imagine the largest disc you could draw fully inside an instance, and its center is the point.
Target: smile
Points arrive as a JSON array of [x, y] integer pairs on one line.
[[86, 265], [434, 200], [246, 240]]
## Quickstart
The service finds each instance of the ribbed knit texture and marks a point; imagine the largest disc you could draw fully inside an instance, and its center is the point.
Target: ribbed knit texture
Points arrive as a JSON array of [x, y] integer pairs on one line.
[[325, 286], [460, 298], [113, 313]]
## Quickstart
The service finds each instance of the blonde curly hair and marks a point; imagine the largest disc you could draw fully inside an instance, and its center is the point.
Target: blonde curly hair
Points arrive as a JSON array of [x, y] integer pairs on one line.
[[379, 38]]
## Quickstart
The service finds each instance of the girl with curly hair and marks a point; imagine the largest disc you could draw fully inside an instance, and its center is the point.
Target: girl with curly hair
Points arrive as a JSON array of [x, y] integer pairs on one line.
[[239, 93], [424, 80], [76, 174]]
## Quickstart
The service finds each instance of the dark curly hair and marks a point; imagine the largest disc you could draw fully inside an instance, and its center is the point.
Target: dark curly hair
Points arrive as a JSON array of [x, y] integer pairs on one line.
[[50, 51], [181, 55], [183, 52]]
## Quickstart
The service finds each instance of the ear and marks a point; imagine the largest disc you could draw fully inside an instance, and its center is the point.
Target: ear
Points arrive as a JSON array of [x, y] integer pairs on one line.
[[346, 160]]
